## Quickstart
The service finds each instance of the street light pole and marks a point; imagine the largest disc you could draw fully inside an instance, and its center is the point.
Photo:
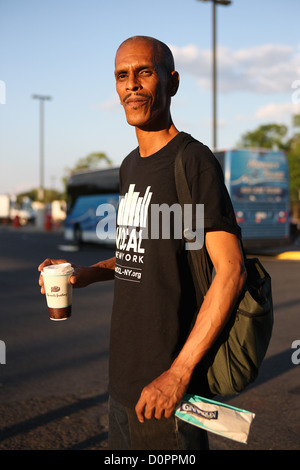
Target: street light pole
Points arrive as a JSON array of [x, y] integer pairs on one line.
[[214, 67], [41, 98], [214, 77]]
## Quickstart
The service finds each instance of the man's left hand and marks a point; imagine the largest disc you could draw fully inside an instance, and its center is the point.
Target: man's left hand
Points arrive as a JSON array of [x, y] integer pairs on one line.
[[160, 397]]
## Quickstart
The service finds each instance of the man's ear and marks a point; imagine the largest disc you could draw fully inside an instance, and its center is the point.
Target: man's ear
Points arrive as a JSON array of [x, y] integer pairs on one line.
[[174, 83]]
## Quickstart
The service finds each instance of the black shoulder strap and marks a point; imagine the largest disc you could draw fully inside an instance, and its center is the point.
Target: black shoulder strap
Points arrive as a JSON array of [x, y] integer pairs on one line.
[[201, 264]]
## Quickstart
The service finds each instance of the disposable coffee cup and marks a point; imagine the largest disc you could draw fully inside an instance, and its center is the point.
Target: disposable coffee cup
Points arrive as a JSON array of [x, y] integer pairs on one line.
[[58, 290]]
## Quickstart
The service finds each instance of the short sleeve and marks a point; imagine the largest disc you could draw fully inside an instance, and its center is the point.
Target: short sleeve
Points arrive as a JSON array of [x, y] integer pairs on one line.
[[206, 182]]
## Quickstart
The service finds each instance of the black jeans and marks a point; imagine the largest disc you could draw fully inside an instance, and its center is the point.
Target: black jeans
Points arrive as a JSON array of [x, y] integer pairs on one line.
[[127, 433]]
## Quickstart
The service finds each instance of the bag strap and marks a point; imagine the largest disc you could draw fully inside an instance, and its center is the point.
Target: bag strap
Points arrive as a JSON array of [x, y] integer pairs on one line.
[[200, 259]]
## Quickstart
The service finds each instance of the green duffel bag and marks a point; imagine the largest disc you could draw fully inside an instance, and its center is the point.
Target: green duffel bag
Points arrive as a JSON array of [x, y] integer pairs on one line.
[[237, 354]]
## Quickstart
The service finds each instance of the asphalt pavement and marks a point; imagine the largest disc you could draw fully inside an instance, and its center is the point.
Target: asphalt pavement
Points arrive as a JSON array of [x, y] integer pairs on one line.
[[53, 386]]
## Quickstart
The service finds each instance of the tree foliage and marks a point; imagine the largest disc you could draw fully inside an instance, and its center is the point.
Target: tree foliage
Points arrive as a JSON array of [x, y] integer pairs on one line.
[[49, 195], [293, 155], [92, 162], [265, 136]]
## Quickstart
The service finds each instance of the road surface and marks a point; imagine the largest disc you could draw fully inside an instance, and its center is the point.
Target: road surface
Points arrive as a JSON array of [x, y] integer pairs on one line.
[[53, 386]]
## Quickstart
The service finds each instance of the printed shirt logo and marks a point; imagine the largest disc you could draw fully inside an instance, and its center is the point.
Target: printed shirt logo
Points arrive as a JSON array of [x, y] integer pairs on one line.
[[131, 222], [133, 208]]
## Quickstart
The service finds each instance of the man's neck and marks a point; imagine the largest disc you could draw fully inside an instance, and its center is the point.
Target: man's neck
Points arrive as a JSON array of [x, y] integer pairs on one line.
[[151, 142]]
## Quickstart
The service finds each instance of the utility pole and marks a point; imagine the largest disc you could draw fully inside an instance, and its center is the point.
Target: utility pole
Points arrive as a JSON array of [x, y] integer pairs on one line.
[[214, 67], [41, 98]]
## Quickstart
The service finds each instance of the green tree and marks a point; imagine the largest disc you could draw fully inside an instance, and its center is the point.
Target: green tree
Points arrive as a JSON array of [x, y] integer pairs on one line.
[[49, 195], [92, 162], [293, 155], [265, 136]]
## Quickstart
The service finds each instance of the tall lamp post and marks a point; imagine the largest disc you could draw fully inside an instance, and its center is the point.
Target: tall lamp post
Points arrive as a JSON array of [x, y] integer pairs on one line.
[[41, 98], [215, 2]]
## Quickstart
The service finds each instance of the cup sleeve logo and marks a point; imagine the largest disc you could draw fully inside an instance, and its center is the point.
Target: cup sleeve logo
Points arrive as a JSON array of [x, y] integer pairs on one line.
[[55, 289]]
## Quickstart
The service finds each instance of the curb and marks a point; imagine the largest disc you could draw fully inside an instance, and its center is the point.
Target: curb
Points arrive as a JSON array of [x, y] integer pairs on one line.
[[289, 255]]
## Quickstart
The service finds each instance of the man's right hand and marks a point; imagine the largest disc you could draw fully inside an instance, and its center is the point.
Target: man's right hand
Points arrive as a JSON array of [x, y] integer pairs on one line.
[[80, 278], [47, 262], [83, 275]]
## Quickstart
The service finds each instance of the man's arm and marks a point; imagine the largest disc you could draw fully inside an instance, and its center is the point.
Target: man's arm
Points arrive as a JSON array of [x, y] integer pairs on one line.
[[160, 397], [84, 275]]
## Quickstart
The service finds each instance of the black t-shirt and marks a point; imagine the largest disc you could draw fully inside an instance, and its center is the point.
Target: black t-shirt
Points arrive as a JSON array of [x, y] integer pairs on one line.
[[155, 299]]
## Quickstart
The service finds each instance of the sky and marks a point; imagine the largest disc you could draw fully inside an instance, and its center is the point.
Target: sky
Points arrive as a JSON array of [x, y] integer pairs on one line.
[[65, 49]]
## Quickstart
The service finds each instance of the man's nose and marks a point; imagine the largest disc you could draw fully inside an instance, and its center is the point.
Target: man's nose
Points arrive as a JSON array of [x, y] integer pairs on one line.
[[133, 84]]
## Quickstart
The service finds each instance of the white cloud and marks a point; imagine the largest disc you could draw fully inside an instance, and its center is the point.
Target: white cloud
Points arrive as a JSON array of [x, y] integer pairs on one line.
[[242, 117], [262, 69], [277, 111], [111, 104], [192, 60], [264, 55]]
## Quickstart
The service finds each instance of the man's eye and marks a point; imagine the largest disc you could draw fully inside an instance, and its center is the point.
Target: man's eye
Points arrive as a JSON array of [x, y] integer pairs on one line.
[[121, 76]]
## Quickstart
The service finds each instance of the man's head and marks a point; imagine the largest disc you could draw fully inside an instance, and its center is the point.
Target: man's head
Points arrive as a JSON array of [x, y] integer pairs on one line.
[[145, 81]]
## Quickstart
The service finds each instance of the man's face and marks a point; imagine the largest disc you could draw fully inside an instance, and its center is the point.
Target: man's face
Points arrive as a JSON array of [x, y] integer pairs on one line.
[[142, 85]]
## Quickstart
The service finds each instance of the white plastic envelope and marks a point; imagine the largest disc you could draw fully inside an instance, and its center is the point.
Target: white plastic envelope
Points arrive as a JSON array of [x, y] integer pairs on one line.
[[218, 418]]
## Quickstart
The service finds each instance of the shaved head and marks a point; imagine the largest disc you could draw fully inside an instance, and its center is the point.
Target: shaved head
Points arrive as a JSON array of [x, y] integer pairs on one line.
[[162, 53]]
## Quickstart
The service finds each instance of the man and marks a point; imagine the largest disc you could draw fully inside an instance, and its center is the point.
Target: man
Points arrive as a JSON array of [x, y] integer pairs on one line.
[[157, 341]]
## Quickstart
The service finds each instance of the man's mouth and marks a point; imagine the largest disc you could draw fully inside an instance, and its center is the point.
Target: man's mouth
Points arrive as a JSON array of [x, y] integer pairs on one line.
[[135, 101]]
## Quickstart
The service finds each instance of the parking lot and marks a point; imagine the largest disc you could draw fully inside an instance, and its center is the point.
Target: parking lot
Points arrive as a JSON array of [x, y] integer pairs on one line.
[[53, 386]]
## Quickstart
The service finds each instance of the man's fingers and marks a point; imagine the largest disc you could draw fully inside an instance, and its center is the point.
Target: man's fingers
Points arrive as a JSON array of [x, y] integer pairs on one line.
[[159, 413], [149, 406], [149, 412], [47, 262], [139, 409], [159, 398], [168, 413], [50, 261]]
